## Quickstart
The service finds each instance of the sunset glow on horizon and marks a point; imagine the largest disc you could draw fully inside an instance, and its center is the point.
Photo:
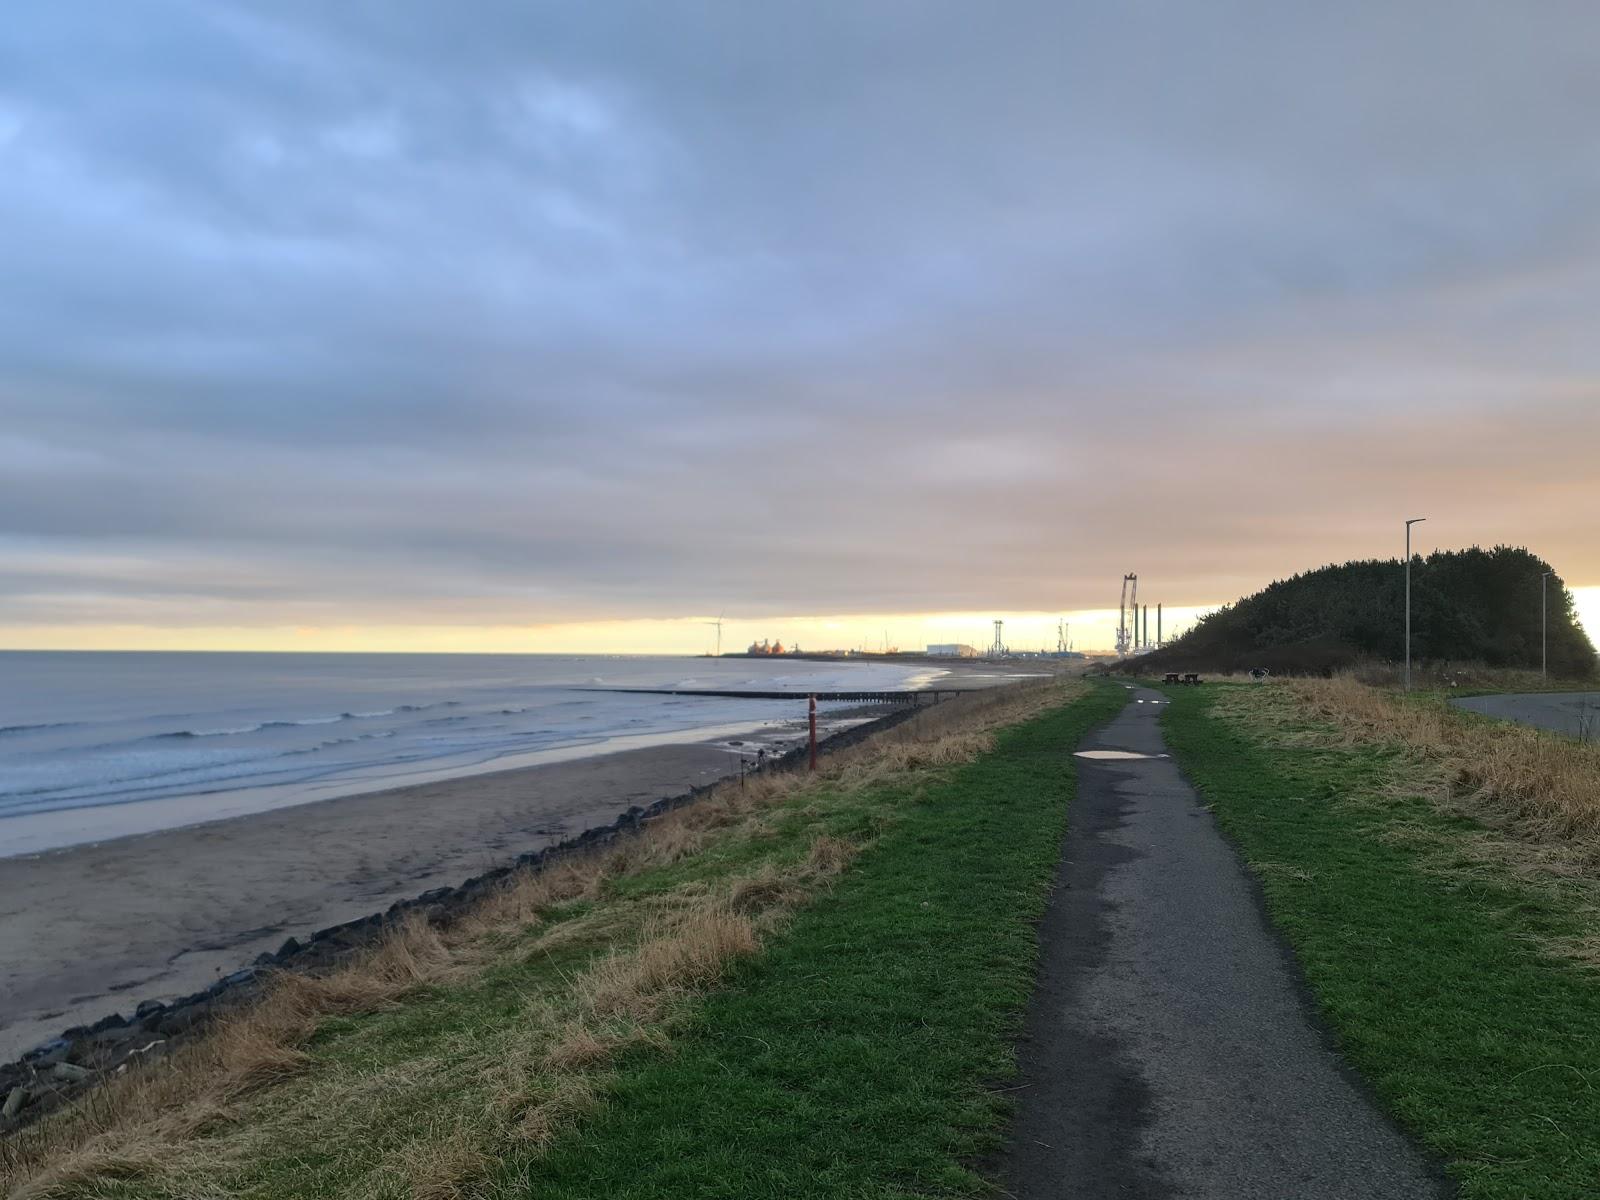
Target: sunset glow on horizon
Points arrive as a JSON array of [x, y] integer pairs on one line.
[[1090, 630]]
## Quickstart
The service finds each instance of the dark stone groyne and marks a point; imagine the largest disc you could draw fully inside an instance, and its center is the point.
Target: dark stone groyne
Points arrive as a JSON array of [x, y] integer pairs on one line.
[[62, 1068], [901, 696]]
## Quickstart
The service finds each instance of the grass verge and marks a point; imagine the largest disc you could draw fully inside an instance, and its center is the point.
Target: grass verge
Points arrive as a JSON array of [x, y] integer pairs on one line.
[[1417, 899], [815, 973], [852, 1059]]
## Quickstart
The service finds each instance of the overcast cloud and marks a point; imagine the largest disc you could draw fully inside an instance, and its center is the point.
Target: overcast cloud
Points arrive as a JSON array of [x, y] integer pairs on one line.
[[511, 312]]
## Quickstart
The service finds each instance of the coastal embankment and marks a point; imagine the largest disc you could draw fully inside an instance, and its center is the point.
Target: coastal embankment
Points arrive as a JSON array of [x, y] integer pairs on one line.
[[100, 927], [99, 919], [772, 934], [94, 927]]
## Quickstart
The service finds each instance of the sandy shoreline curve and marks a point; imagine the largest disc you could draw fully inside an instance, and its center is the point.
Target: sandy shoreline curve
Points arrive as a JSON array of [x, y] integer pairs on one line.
[[153, 914], [60, 829], [95, 928]]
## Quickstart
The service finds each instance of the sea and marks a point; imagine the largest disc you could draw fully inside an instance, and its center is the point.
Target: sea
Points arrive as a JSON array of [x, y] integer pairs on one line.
[[95, 745]]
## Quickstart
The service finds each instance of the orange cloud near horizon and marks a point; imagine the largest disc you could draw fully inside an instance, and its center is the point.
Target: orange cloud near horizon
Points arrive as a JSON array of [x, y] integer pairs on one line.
[[1091, 630]]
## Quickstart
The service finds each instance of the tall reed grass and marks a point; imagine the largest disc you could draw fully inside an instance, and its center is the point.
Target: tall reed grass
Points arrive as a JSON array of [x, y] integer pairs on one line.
[[1540, 784]]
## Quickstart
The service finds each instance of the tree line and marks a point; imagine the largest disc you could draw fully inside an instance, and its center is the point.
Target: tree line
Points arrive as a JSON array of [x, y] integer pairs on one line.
[[1472, 605]]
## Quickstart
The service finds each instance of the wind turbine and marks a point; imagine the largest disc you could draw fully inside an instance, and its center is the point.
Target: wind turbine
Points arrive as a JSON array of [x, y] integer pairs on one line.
[[717, 625]]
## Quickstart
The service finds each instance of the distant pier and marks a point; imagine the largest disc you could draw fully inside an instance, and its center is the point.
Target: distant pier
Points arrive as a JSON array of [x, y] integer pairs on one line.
[[909, 696]]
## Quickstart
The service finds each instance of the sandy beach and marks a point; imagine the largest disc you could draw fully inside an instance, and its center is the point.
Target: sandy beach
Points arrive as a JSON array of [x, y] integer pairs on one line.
[[97, 928], [145, 912]]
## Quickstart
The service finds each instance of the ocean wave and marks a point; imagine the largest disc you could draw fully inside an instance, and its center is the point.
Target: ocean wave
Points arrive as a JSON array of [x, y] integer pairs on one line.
[[237, 730], [5, 729], [325, 730], [236, 765], [327, 743]]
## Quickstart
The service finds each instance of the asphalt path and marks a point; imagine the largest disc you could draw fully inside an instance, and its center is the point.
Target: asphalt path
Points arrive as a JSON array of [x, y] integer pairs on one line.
[[1171, 1050], [1576, 714]]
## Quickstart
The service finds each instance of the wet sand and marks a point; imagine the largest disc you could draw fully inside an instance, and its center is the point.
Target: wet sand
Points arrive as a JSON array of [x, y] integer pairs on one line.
[[93, 929]]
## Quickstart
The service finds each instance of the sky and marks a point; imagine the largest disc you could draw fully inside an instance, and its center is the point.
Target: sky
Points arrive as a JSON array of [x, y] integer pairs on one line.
[[528, 326]]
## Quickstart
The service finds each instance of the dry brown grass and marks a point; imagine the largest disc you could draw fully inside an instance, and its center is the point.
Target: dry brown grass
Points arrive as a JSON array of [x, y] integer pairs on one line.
[[1536, 784], [439, 1164], [684, 949], [262, 1043], [1444, 676], [131, 1124], [675, 956], [526, 894], [627, 996], [1533, 799], [146, 1123]]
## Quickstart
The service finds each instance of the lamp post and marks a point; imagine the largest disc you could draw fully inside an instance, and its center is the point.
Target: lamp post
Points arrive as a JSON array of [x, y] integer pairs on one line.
[[1544, 626], [1409, 524]]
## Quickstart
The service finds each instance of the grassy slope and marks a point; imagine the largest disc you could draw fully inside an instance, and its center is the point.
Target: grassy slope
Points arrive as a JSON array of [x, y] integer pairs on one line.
[[850, 1055], [851, 1058], [1429, 971]]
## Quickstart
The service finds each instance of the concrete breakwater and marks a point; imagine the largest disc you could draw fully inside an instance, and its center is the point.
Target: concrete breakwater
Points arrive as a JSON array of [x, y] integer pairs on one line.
[[62, 1067]]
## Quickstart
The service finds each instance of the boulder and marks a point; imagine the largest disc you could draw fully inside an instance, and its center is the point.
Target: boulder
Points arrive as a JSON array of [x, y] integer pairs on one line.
[[14, 1102], [180, 1020], [48, 1052]]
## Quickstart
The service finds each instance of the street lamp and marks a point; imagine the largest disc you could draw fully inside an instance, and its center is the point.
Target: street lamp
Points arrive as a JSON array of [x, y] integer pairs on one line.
[[1409, 524], [1544, 626]]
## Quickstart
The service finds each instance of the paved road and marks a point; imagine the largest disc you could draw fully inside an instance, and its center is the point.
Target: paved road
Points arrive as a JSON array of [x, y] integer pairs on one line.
[[1170, 1050], [1571, 713]]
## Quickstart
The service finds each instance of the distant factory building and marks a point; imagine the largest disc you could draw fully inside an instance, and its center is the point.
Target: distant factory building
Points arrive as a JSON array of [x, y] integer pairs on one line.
[[951, 650]]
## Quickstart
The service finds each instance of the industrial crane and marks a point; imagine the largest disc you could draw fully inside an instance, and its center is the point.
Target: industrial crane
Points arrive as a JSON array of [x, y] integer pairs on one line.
[[1130, 599]]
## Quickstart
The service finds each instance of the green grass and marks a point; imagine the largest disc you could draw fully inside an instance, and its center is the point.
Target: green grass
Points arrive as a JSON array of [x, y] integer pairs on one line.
[[859, 1054], [420, 1067], [1429, 967]]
